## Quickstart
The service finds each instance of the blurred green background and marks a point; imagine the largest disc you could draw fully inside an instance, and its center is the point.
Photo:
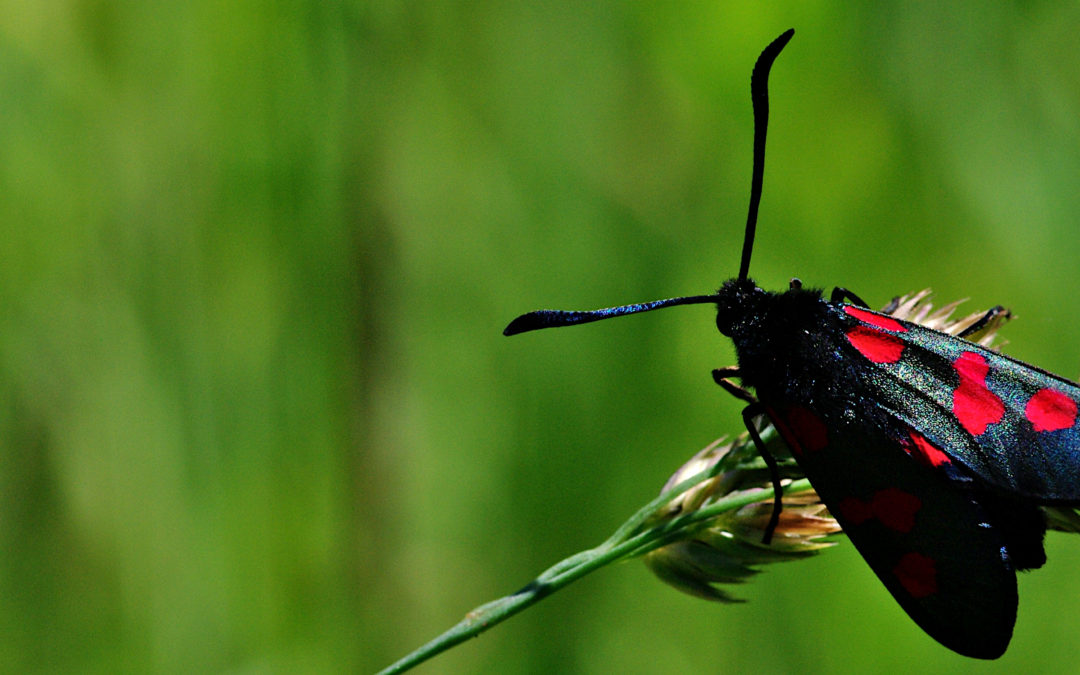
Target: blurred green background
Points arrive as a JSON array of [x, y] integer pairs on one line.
[[257, 412]]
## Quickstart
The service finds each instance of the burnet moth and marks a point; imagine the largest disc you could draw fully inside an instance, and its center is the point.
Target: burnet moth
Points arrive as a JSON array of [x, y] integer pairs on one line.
[[933, 452]]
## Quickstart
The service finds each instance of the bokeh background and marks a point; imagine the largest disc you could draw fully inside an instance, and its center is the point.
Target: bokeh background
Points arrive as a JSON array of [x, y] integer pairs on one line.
[[257, 414]]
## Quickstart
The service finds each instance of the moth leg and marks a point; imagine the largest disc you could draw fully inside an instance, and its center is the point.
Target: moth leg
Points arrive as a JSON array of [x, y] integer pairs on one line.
[[721, 377], [839, 294], [982, 321], [752, 410], [749, 413]]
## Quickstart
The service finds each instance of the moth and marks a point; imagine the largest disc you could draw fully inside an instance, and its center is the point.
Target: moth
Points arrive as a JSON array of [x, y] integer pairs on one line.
[[934, 453]]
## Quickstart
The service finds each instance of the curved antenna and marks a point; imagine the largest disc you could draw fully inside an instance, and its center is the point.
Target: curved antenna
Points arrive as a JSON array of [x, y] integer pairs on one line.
[[759, 95], [553, 318]]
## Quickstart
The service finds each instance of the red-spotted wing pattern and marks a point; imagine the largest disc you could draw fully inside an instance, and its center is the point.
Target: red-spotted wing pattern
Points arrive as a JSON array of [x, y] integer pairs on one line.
[[1012, 425], [946, 550], [933, 453]]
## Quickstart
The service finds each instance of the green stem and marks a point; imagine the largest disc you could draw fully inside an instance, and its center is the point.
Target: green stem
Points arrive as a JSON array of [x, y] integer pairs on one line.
[[624, 543]]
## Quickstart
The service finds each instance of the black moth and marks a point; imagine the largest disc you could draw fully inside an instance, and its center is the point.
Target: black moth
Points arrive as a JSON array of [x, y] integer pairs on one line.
[[932, 452]]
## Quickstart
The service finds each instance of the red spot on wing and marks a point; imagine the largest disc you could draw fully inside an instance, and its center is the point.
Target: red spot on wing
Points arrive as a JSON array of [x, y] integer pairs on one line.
[[925, 451], [874, 319], [801, 429], [1050, 410], [808, 429], [973, 404], [895, 509], [854, 510], [785, 431], [917, 574], [876, 346]]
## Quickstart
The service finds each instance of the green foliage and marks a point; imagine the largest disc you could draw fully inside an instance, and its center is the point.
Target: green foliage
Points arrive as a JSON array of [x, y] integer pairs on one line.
[[257, 411]]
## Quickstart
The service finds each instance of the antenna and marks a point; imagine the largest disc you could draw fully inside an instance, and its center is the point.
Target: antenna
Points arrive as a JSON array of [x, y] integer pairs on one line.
[[551, 318], [759, 94]]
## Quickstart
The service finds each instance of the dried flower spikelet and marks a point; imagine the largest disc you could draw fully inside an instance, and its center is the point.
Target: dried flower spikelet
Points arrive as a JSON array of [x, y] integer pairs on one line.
[[705, 459], [915, 308], [726, 548]]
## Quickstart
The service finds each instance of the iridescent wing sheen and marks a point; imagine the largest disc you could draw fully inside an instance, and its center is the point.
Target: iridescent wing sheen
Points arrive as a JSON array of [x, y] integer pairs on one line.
[[1010, 424]]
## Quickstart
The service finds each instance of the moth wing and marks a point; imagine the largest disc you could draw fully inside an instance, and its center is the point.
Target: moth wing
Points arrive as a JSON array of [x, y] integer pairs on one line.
[[1011, 424], [937, 543]]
